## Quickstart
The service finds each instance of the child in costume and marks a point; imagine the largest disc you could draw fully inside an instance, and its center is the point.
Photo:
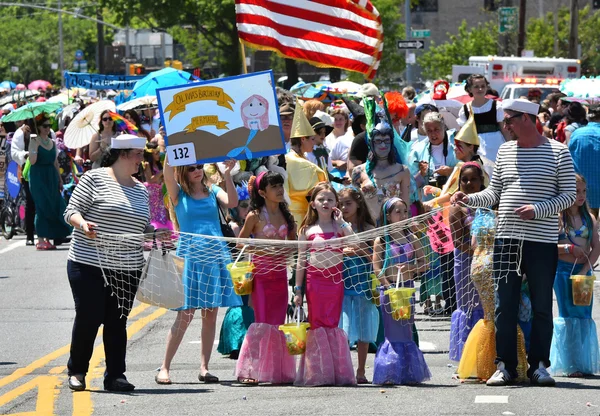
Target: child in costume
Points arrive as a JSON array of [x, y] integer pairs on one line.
[[360, 318], [398, 359], [469, 309], [327, 358], [479, 352], [574, 350], [264, 356], [153, 180], [238, 319]]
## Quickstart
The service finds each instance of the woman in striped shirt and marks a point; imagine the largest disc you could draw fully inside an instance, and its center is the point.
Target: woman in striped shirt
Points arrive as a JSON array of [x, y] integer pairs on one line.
[[107, 200]]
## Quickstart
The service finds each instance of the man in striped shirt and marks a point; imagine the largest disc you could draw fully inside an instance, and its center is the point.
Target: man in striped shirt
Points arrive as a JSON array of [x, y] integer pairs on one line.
[[533, 181]]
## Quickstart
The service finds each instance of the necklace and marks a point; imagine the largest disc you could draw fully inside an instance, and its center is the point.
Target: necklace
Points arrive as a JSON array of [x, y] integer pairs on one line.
[[45, 141]]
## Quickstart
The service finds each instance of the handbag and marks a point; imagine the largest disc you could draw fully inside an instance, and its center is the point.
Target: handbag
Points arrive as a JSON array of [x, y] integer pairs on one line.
[[161, 283], [226, 229]]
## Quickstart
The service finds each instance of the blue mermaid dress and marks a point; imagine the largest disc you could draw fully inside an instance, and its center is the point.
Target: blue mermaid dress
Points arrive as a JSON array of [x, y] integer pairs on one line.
[[575, 339], [206, 281]]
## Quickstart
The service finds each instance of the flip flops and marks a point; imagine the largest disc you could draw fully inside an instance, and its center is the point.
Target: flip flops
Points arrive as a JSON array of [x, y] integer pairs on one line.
[[208, 378], [45, 245], [162, 381]]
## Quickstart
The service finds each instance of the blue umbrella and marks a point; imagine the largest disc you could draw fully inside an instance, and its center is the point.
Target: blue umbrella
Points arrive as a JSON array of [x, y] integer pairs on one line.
[[8, 85], [166, 77]]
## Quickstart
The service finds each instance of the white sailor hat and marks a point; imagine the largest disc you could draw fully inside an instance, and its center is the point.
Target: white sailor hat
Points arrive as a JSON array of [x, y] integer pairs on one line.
[[521, 106], [128, 141]]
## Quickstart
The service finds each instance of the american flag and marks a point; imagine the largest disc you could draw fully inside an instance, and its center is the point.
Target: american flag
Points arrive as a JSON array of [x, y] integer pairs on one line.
[[343, 34]]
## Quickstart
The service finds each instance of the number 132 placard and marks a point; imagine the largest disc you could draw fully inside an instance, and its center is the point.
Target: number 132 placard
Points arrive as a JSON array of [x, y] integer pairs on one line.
[[181, 154]]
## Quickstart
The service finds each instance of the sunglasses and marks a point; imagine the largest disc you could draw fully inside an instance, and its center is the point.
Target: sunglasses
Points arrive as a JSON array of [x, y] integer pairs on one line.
[[509, 120], [243, 205], [106, 119], [193, 168], [382, 141], [45, 125], [460, 145]]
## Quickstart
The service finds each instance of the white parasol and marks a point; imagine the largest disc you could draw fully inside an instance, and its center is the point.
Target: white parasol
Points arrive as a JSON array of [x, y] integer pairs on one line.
[[146, 102], [85, 124]]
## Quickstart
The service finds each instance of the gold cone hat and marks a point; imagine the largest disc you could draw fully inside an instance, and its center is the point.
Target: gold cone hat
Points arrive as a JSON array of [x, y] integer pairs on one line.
[[300, 125], [468, 132]]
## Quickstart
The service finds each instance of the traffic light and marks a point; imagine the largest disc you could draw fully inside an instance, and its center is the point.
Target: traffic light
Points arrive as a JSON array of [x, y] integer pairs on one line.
[[136, 69]]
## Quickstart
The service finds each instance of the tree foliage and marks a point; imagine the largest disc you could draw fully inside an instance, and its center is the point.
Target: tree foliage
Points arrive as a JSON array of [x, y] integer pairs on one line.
[[481, 40], [205, 27], [541, 35], [29, 40]]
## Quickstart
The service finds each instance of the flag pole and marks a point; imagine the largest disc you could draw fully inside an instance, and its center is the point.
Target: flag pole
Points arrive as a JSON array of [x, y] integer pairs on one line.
[[243, 51]]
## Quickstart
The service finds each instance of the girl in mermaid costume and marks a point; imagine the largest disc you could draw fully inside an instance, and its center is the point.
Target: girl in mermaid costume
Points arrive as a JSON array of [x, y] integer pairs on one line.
[[574, 350], [398, 359]]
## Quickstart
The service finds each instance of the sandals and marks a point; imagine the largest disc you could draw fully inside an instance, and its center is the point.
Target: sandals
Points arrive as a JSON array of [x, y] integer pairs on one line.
[[247, 381], [162, 381], [362, 380], [45, 245], [208, 378]]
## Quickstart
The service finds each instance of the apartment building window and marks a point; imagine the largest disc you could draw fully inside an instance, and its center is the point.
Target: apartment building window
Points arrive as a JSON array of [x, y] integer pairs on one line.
[[426, 6], [490, 5]]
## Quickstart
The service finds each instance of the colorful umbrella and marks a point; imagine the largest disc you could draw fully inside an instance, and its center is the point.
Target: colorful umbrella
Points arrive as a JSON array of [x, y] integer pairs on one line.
[[20, 87], [8, 85], [85, 124], [31, 110], [166, 77], [15, 96], [40, 83], [581, 88], [123, 124]]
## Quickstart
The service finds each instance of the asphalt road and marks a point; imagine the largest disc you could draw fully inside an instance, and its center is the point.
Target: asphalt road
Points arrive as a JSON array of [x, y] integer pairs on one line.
[[35, 323]]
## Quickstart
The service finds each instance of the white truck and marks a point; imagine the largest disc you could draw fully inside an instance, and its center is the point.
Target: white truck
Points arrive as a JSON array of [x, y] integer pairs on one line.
[[503, 70]]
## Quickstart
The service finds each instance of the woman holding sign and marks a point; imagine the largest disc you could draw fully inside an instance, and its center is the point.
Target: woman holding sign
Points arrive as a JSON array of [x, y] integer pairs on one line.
[[207, 285]]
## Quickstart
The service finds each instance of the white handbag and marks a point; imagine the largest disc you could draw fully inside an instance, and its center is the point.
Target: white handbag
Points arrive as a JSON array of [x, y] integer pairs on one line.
[[161, 283]]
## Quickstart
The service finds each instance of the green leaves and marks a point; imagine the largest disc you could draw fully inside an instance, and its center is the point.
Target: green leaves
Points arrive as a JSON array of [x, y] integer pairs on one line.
[[438, 60]]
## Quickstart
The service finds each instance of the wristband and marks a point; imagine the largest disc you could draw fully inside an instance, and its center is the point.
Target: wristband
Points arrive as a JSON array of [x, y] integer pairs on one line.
[[81, 225], [344, 225], [297, 288], [567, 248], [571, 248]]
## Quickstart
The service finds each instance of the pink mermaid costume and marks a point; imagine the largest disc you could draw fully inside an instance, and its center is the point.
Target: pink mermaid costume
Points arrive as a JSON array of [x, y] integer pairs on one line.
[[327, 358], [264, 356]]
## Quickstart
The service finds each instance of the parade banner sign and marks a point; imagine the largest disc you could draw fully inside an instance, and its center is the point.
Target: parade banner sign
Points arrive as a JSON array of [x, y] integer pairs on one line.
[[100, 81], [221, 119]]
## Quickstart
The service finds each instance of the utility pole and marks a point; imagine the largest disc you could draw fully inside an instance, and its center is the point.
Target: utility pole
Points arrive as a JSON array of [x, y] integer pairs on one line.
[[100, 29], [573, 33], [126, 50], [61, 53], [557, 6], [521, 39], [408, 24]]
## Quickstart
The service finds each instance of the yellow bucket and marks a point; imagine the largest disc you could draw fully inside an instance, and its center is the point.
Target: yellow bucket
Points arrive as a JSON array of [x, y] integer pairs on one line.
[[241, 276], [400, 302], [295, 337], [375, 289], [583, 289]]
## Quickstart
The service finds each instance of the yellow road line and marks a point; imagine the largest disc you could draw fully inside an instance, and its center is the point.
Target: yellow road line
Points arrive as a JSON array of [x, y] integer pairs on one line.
[[47, 387], [57, 370], [82, 401], [41, 362]]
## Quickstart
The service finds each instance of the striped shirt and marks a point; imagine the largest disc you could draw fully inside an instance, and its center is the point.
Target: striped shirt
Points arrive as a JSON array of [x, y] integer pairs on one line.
[[116, 209], [541, 176]]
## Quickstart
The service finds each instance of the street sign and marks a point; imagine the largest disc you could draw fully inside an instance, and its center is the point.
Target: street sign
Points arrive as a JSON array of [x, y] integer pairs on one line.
[[421, 33], [53, 65], [14, 69], [411, 58], [507, 19], [411, 44]]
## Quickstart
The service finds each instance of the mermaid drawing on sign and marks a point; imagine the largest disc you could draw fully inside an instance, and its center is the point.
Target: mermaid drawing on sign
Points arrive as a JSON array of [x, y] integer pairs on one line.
[[255, 116]]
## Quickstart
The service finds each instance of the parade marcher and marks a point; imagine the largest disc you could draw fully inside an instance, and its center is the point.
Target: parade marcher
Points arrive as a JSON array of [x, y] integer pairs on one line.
[[526, 239], [302, 175], [88, 212], [207, 284], [100, 143], [488, 118], [45, 185], [585, 151]]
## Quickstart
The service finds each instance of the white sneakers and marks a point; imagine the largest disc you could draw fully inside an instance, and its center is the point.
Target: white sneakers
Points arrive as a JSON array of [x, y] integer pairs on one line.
[[502, 377], [541, 377]]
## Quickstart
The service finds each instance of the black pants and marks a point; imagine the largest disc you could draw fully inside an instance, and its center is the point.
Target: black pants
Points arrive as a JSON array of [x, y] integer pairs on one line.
[[95, 304], [538, 262], [29, 211], [448, 285]]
